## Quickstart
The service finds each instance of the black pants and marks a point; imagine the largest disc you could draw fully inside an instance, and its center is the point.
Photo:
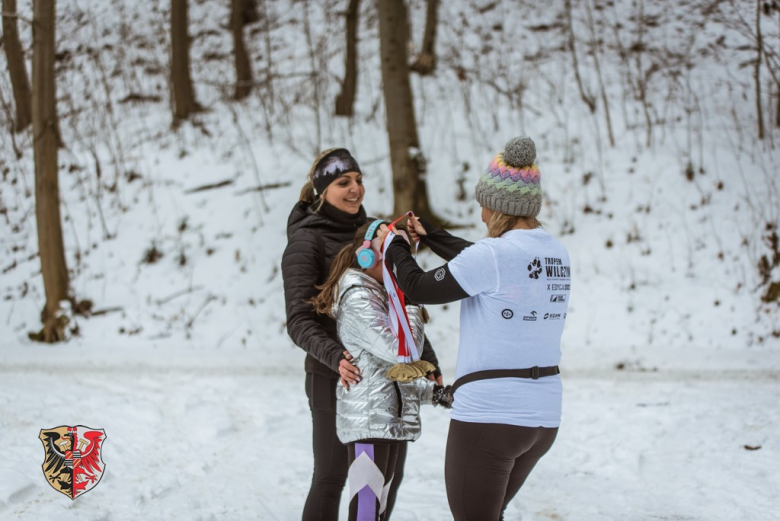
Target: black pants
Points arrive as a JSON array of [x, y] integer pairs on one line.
[[368, 500], [330, 455], [487, 463]]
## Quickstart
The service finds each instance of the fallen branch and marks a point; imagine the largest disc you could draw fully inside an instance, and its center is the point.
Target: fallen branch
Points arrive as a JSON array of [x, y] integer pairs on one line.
[[178, 294], [226, 182], [135, 97], [209, 298], [260, 188], [105, 311]]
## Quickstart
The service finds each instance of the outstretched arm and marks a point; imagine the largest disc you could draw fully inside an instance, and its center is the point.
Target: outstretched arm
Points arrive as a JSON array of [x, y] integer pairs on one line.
[[441, 242], [437, 286]]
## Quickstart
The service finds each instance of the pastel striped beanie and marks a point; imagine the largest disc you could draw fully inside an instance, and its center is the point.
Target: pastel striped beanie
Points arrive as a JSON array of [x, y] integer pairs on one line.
[[512, 184]]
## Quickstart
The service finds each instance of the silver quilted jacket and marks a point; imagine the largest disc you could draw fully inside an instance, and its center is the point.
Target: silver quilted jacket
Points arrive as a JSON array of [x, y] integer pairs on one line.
[[376, 407]]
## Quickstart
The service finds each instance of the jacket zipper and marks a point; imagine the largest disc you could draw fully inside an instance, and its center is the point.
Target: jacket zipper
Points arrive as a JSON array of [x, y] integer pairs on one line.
[[398, 395]]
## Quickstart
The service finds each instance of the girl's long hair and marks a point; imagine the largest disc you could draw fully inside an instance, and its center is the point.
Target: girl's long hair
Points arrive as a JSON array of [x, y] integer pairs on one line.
[[500, 223], [346, 258]]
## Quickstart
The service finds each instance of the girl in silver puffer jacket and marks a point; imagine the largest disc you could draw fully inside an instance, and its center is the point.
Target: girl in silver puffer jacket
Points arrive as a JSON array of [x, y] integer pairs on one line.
[[376, 414], [377, 408]]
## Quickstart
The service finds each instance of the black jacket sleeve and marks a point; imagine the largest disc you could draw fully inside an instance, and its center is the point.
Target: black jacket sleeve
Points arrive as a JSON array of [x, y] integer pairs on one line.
[[441, 242], [430, 356], [433, 287], [301, 268]]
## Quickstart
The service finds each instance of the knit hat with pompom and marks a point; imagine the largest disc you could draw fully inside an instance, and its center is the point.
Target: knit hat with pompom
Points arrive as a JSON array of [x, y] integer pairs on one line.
[[512, 184]]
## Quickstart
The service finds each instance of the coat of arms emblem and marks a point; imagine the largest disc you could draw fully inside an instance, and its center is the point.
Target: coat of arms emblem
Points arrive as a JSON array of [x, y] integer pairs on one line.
[[73, 461]]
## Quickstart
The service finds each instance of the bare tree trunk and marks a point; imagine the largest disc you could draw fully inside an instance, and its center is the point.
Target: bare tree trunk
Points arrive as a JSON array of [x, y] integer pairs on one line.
[[757, 72], [425, 63], [589, 100], [268, 97], [409, 187], [244, 78], [183, 94], [643, 78], [316, 64], [345, 101], [16, 66], [51, 249], [602, 88]]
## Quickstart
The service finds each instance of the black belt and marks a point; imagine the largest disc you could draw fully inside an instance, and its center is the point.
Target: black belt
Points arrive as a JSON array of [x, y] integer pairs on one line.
[[533, 373]]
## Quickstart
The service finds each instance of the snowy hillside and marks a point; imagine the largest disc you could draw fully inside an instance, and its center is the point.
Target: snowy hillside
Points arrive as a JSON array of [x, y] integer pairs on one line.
[[167, 233]]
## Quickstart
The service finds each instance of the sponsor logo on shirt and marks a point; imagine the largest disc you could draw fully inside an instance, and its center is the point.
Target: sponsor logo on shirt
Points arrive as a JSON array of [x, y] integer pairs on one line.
[[552, 316], [531, 317], [555, 269], [507, 314], [558, 298]]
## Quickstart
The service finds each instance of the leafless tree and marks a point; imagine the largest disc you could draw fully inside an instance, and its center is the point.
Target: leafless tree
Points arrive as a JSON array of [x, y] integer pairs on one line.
[[345, 101], [425, 63], [244, 77], [643, 76], [183, 94], [588, 98], [596, 52], [408, 162], [16, 66], [51, 249], [757, 71]]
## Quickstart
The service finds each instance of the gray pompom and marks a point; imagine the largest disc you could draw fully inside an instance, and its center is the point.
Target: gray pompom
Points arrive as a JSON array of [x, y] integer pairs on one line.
[[520, 152]]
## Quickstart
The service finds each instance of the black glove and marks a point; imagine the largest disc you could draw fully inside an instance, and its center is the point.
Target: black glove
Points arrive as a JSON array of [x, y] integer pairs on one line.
[[443, 396]]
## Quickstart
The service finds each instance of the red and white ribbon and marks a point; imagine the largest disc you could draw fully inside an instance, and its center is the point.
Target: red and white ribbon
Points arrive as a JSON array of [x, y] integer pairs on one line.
[[399, 320]]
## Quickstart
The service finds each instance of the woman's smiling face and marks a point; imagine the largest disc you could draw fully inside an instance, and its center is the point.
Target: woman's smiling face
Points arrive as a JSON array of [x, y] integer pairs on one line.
[[346, 193]]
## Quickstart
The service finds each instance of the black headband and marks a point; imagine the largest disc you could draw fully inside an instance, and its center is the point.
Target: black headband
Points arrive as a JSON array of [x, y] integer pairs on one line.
[[333, 166]]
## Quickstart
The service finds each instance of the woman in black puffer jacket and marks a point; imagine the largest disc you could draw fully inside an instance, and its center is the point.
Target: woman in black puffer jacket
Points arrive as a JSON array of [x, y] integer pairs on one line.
[[322, 223]]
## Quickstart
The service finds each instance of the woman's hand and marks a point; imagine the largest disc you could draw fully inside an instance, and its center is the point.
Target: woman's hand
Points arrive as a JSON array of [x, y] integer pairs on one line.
[[439, 380], [416, 230], [349, 373], [381, 233]]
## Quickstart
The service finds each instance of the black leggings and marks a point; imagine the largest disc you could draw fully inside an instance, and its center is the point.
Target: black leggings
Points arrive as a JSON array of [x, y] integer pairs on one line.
[[487, 463], [330, 455], [367, 500]]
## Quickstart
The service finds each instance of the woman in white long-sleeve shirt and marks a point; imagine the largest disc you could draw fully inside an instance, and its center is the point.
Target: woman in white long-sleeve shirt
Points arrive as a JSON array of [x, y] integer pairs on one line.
[[514, 286]]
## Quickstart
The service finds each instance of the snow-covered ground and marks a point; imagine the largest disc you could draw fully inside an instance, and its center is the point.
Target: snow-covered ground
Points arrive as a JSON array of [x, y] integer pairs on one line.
[[228, 437], [671, 361]]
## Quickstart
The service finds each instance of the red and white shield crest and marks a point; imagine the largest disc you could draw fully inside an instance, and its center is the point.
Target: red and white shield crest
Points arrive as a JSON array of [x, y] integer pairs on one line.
[[73, 461]]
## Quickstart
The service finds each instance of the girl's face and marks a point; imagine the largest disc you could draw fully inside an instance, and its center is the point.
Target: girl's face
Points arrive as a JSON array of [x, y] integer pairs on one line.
[[346, 193], [376, 244]]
